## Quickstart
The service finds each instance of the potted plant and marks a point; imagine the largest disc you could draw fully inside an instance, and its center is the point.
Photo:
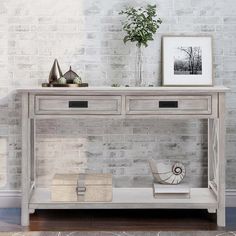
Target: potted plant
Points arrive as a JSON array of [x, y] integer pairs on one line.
[[140, 26]]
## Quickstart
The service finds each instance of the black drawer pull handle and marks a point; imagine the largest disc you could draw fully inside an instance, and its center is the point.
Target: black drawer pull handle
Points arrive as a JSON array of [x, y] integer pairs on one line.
[[168, 104], [78, 104]]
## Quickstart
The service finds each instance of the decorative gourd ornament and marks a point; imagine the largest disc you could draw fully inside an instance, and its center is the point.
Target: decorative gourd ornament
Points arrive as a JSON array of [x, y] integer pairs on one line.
[[77, 80], [61, 80], [167, 173], [70, 75]]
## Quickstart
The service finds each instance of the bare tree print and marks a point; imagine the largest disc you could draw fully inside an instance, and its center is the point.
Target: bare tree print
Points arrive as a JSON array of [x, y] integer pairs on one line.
[[188, 61]]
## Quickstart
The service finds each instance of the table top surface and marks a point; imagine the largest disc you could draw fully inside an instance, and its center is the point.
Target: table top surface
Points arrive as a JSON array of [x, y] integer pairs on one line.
[[125, 89]]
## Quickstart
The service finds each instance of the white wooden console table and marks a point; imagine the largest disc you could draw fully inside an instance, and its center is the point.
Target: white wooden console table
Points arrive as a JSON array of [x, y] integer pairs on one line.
[[132, 102]]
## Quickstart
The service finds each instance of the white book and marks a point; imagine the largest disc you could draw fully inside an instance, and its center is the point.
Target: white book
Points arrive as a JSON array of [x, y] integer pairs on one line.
[[171, 191]]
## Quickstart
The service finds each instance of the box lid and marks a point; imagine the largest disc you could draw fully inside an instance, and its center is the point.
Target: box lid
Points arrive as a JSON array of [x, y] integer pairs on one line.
[[65, 179], [82, 179]]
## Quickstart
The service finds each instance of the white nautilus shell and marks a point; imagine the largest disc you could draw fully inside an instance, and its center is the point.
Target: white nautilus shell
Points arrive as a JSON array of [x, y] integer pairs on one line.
[[167, 173]]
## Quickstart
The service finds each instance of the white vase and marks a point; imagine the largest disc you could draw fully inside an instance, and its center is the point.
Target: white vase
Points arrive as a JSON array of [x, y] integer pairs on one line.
[[139, 68]]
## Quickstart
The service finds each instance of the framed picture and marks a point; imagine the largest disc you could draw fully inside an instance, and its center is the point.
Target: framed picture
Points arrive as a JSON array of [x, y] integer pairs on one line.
[[187, 61]]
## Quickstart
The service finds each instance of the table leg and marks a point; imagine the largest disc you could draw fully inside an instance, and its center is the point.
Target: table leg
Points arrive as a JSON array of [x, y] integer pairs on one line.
[[25, 179], [221, 171]]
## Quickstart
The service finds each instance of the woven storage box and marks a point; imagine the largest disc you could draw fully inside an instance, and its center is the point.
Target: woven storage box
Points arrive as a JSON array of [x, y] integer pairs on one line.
[[82, 187]]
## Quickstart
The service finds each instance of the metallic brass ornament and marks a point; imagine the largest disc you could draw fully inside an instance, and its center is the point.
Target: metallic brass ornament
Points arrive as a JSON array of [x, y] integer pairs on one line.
[[70, 75], [77, 80], [55, 72], [69, 79], [61, 80]]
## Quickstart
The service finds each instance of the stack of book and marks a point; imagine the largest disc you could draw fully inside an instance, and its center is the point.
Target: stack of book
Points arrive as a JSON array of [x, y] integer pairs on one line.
[[162, 191]]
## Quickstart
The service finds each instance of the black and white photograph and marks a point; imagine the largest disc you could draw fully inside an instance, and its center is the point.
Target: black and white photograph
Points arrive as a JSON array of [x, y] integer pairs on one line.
[[187, 61]]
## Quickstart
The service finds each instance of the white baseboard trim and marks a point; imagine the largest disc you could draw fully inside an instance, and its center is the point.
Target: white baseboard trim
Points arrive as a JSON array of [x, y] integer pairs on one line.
[[231, 198], [12, 198]]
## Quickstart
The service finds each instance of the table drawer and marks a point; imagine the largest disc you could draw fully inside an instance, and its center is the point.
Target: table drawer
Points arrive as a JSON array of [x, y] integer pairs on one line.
[[89, 105], [176, 105]]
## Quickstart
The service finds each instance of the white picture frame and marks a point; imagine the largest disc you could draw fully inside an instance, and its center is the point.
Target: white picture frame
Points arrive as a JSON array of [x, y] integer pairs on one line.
[[187, 61]]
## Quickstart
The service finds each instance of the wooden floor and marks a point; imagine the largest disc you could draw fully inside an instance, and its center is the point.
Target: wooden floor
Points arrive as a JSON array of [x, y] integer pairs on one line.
[[115, 220]]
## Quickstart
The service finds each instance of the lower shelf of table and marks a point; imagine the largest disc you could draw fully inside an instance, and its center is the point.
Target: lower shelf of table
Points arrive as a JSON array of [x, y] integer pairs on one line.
[[128, 198]]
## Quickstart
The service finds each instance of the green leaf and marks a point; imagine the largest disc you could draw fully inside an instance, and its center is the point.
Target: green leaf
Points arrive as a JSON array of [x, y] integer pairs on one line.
[[126, 39]]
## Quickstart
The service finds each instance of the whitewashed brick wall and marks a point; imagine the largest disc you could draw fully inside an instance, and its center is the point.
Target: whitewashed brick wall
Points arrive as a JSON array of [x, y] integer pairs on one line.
[[120, 147], [87, 35]]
